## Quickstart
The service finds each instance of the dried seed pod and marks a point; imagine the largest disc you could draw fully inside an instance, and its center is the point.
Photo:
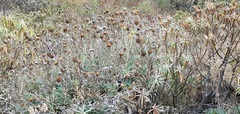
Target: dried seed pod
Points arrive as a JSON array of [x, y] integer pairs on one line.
[[135, 12], [127, 28], [74, 59], [121, 20], [122, 25], [43, 55], [130, 88], [37, 38], [50, 55], [108, 23], [94, 36], [65, 29], [59, 79], [82, 35], [75, 26], [38, 35], [97, 74], [124, 49], [197, 10], [228, 20], [110, 19], [136, 22], [64, 44], [118, 13], [152, 30], [136, 74], [88, 30], [107, 11], [85, 74], [138, 40], [56, 63], [87, 19], [120, 54], [113, 23], [67, 20], [29, 38], [50, 29], [101, 36], [150, 51], [109, 44], [105, 33], [91, 73], [137, 34], [31, 99], [143, 53]]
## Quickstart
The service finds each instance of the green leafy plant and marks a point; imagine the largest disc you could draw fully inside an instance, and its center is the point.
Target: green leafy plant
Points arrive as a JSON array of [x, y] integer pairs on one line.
[[216, 111], [164, 3]]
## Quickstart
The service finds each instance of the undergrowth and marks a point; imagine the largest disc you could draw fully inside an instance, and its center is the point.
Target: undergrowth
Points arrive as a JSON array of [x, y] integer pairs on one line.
[[64, 59]]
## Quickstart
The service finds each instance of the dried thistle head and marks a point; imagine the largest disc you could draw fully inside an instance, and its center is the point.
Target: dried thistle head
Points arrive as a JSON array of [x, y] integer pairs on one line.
[[135, 12], [109, 44], [85, 74], [105, 33], [120, 54], [106, 11], [150, 51], [97, 74], [138, 40], [143, 53], [136, 22], [81, 35], [59, 79]]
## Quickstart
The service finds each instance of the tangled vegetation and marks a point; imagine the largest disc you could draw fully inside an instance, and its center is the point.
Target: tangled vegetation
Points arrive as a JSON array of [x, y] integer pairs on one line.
[[91, 58]]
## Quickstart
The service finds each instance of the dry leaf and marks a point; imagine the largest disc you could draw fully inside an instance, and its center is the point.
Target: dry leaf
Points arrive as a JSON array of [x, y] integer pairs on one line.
[[181, 77], [5, 50]]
